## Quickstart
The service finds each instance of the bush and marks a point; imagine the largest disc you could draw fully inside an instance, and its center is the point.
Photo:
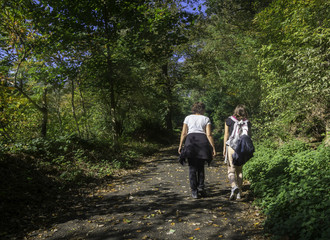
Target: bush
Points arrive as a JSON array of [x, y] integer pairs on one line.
[[291, 185], [71, 159]]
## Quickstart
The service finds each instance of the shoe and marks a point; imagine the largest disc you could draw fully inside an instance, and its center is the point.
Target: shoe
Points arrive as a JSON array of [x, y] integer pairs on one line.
[[234, 190], [202, 193], [194, 194], [238, 197]]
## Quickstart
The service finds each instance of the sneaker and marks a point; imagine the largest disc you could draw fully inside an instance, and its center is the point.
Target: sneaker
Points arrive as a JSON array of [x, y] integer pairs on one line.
[[202, 193], [238, 196], [194, 194], [234, 190]]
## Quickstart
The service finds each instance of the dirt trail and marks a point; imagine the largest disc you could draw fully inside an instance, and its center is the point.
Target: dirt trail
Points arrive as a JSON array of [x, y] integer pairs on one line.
[[153, 202]]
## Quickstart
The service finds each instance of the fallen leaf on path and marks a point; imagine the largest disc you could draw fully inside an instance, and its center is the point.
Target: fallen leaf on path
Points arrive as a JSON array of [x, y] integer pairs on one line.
[[197, 229], [195, 224], [171, 231], [159, 211], [125, 220]]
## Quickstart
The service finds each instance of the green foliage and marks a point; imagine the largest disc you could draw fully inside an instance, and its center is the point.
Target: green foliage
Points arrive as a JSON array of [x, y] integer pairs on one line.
[[106, 75], [96, 69], [293, 60], [76, 161], [220, 65], [290, 183]]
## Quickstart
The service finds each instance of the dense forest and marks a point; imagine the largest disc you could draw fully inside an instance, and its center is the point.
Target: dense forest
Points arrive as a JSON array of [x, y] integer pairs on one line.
[[87, 87]]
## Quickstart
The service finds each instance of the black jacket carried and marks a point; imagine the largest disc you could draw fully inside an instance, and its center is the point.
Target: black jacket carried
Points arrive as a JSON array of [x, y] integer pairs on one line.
[[196, 146], [244, 150]]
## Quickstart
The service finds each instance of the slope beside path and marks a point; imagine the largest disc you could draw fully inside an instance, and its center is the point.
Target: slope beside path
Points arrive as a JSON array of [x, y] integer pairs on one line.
[[154, 202]]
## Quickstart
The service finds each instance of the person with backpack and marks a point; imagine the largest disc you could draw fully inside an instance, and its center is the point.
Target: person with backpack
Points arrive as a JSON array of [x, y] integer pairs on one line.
[[198, 147], [237, 126]]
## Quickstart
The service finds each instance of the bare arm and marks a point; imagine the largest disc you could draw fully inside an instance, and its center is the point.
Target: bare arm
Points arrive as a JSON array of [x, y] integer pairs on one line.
[[184, 133], [225, 138], [210, 138]]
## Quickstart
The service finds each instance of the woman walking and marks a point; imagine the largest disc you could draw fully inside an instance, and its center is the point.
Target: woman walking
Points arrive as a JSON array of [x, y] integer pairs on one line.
[[198, 147], [235, 125]]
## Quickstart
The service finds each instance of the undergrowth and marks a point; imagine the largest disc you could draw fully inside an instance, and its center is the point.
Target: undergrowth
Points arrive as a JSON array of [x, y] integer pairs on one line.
[[74, 160], [36, 177], [291, 185]]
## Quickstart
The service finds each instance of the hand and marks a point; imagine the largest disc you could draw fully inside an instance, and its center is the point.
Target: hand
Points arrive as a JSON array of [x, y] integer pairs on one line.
[[179, 150], [214, 152], [224, 152]]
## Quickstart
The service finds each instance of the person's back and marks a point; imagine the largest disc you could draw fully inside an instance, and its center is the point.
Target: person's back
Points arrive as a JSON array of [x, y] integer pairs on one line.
[[232, 134], [198, 147], [237, 128], [197, 123]]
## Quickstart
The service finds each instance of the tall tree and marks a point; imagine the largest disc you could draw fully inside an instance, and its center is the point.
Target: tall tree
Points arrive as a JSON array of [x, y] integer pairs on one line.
[[113, 39], [19, 42], [221, 58]]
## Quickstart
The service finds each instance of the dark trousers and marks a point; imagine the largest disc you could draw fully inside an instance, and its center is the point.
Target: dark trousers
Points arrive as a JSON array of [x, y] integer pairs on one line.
[[196, 174]]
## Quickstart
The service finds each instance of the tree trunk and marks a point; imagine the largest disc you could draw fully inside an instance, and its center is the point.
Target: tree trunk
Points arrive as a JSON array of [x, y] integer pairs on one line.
[[110, 77], [168, 93], [44, 111], [58, 109], [327, 133], [82, 100], [73, 106], [113, 107]]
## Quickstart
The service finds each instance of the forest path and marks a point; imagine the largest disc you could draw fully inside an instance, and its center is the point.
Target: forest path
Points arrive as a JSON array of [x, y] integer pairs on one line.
[[154, 202]]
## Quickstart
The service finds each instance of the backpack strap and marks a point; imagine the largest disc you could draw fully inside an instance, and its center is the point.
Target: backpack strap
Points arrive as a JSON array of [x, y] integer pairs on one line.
[[240, 128]]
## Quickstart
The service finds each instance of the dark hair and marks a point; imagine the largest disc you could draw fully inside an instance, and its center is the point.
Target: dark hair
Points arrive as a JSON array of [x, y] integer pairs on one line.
[[240, 112], [198, 107]]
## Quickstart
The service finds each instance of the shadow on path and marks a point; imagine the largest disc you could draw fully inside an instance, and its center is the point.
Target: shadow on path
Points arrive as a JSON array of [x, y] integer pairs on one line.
[[153, 202]]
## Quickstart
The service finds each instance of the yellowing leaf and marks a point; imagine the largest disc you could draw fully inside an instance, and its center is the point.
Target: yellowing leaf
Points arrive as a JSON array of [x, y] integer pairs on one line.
[[126, 220]]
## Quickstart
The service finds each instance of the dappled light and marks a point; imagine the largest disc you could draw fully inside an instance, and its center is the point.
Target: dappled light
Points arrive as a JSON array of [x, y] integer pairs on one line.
[[93, 98]]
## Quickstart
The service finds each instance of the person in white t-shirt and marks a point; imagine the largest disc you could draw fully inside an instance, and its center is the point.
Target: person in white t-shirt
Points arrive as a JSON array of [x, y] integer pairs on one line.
[[198, 148]]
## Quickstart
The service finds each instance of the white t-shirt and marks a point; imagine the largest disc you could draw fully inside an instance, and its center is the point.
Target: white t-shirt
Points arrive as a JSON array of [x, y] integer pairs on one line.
[[197, 123]]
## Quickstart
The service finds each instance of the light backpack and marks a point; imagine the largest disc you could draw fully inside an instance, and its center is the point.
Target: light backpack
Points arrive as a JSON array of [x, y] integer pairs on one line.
[[240, 128]]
